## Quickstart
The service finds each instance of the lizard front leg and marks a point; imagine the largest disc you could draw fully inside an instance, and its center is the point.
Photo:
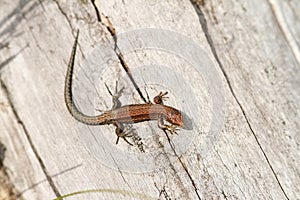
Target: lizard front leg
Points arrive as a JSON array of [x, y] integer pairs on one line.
[[160, 121]]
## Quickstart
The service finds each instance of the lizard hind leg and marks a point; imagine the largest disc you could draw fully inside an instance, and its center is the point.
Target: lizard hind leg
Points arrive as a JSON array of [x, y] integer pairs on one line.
[[123, 133]]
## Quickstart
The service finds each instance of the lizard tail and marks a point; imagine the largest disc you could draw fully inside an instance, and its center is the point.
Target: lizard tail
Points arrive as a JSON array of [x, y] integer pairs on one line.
[[78, 115]]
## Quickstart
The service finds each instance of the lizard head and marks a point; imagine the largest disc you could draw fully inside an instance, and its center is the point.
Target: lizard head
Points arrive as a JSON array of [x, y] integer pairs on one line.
[[174, 117], [180, 119]]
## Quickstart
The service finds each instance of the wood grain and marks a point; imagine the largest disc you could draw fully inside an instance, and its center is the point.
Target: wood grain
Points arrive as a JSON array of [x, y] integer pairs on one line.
[[250, 49]]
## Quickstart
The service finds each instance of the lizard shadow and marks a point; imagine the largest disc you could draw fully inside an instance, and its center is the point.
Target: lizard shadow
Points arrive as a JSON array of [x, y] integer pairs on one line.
[[187, 121]]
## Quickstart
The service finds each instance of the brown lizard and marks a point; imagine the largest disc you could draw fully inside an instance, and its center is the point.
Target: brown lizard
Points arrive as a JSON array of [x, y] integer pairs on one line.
[[127, 114]]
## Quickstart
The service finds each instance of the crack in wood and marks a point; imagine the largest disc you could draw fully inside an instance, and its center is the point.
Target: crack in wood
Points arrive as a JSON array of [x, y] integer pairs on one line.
[[35, 151], [163, 192], [220, 157], [203, 23], [172, 169], [109, 26], [63, 13], [183, 166], [112, 31], [283, 26], [34, 185]]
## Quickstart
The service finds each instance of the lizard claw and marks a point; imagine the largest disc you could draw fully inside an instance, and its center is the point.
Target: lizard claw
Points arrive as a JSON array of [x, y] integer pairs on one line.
[[172, 128], [160, 98], [124, 138], [127, 132]]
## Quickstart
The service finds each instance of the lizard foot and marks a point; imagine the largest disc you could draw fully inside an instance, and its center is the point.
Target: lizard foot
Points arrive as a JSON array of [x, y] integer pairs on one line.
[[171, 128], [126, 133], [160, 98]]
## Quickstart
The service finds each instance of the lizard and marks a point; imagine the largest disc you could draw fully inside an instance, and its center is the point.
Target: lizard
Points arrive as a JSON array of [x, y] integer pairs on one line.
[[120, 115]]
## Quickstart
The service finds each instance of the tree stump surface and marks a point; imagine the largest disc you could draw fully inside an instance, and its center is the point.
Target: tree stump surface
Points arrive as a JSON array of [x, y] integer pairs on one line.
[[232, 67]]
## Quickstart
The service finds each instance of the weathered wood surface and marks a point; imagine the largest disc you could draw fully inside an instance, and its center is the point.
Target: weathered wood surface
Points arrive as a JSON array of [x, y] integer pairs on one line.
[[254, 48]]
